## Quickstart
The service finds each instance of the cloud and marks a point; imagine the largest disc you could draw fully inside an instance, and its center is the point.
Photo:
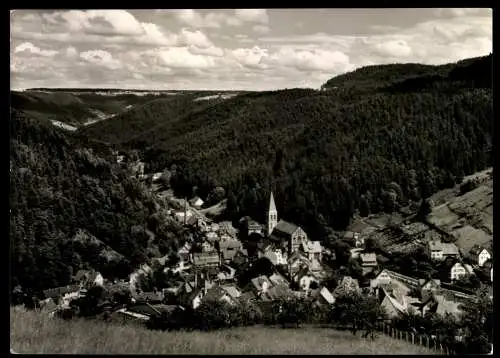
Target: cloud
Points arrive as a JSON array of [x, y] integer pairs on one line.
[[249, 57], [28, 47], [252, 15], [461, 12], [196, 38], [181, 57], [211, 20], [209, 51], [101, 58], [261, 29], [103, 22], [202, 49], [395, 48], [312, 60], [71, 52]]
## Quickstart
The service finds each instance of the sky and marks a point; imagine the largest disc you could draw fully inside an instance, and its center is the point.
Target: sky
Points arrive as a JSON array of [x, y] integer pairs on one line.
[[232, 49]]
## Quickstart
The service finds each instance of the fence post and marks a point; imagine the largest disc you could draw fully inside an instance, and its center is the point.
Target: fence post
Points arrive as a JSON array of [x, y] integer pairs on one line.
[[427, 342], [412, 338], [420, 339]]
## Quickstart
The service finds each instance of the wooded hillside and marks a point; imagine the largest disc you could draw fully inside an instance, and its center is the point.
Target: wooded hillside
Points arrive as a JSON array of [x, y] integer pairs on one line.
[[372, 140]]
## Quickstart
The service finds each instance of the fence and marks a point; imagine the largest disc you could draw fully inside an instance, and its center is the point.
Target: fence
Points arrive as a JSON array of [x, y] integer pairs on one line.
[[415, 338]]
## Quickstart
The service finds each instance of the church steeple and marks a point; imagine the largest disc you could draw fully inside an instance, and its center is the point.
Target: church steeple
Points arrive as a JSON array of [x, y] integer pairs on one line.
[[272, 216]]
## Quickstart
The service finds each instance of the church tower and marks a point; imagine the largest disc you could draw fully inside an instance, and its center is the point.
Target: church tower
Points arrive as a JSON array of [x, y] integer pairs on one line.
[[272, 216]]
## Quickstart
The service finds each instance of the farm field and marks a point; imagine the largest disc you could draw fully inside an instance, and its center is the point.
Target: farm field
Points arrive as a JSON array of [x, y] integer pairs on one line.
[[33, 332], [468, 217]]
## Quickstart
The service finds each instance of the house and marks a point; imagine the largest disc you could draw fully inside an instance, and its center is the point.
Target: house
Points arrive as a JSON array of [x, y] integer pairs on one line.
[[441, 250], [304, 278], [254, 227], [368, 262], [359, 241], [277, 256], [156, 176], [149, 297], [85, 277], [279, 291], [226, 273], [182, 216], [232, 290], [296, 261], [277, 279], [460, 270], [217, 293], [345, 286], [137, 169], [228, 249], [120, 158], [441, 304], [211, 236], [226, 227], [391, 305], [62, 295], [355, 252], [312, 250], [288, 235], [479, 255], [193, 296], [386, 276], [206, 259], [258, 285], [240, 258], [322, 296]]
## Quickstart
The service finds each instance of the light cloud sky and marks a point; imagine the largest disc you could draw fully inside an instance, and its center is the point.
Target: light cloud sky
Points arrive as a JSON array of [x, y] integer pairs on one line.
[[242, 49]]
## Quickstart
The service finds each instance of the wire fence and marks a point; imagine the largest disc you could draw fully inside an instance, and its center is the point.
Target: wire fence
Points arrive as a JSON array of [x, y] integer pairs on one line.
[[430, 342]]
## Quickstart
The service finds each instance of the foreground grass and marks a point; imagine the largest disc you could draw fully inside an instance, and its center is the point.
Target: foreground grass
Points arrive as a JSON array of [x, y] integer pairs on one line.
[[33, 332]]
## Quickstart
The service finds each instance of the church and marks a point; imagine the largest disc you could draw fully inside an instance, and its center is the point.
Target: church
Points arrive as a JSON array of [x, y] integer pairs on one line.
[[282, 233]]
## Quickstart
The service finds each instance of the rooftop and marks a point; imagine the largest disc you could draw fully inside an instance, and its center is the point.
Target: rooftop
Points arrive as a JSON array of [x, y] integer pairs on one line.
[[286, 227], [368, 257]]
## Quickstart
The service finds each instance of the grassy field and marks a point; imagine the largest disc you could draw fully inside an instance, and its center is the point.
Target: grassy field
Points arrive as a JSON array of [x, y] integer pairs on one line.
[[32, 332]]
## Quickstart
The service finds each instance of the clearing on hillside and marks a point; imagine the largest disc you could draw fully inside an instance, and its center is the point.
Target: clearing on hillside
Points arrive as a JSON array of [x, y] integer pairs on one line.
[[34, 332]]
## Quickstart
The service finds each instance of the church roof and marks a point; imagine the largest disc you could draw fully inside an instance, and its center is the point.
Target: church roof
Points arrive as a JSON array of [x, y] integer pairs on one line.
[[286, 227], [272, 205]]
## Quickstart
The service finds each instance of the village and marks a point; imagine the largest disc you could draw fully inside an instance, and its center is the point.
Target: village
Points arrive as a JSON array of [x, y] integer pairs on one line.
[[225, 263]]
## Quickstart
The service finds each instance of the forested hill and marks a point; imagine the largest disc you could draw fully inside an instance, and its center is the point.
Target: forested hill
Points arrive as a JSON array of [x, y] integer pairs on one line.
[[70, 208]]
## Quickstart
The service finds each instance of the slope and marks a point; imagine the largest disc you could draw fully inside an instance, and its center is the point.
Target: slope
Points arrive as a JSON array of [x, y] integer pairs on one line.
[[70, 208], [327, 154]]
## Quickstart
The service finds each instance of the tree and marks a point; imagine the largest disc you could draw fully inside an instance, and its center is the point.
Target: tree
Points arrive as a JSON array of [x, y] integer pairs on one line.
[[360, 312], [425, 209]]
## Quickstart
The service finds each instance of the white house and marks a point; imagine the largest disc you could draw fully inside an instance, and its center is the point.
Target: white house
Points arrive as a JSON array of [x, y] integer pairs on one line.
[[196, 202], [479, 255], [459, 270], [157, 176], [440, 250]]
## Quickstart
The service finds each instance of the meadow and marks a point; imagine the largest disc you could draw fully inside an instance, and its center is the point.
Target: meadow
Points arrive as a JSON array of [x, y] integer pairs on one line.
[[35, 332]]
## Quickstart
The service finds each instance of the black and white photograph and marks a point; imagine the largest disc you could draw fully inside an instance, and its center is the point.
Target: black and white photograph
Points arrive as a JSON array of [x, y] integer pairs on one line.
[[251, 181]]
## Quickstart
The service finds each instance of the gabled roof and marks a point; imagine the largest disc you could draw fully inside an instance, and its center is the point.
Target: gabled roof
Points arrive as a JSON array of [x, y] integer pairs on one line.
[[477, 249], [259, 282], [232, 290], [312, 246], [326, 294], [276, 292], [277, 279], [297, 256], [272, 205], [446, 306], [205, 258], [448, 248], [214, 294], [60, 291], [369, 257], [285, 227]]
